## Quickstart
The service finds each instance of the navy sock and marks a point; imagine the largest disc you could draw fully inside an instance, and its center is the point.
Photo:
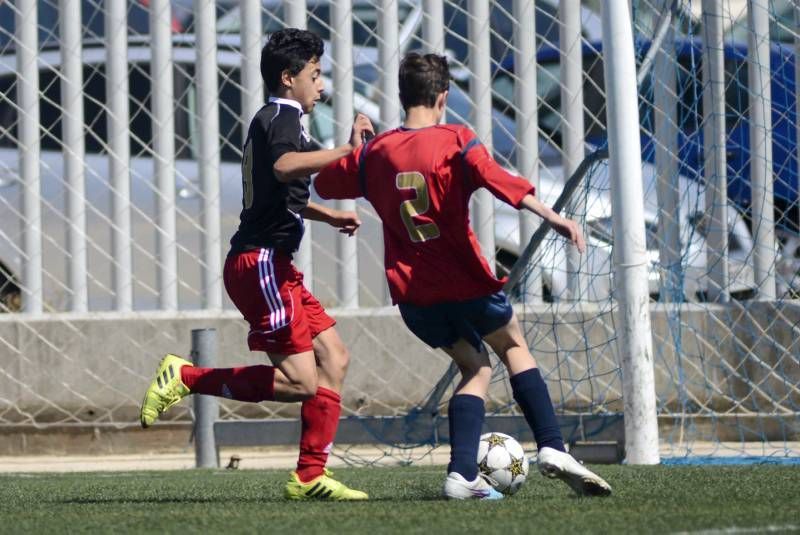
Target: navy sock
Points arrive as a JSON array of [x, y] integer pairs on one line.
[[465, 417], [530, 392]]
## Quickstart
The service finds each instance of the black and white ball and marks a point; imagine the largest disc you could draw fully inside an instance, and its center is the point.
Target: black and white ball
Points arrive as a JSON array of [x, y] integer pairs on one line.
[[503, 460]]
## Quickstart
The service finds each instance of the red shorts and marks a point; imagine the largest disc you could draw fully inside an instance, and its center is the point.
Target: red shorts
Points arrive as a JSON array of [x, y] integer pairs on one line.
[[268, 290]]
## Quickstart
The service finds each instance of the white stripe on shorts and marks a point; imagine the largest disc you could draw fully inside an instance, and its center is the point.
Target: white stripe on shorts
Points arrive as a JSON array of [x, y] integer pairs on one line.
[[269, 288]]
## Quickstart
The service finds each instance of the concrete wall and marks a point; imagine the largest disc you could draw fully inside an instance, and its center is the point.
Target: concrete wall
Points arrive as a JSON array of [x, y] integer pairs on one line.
[[66, 369]]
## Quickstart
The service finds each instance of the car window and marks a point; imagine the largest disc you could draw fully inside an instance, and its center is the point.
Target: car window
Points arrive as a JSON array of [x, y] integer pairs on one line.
[[548, 88], [365, 19], [736, 97], [322, 129], [230, 112], [690, 91], [92, 20], [95, 116], [782, 26], [501, 24], [8, 111]]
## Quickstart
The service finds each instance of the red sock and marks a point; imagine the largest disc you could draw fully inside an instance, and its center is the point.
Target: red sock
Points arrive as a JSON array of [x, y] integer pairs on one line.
[[320, 418], [248, 383]]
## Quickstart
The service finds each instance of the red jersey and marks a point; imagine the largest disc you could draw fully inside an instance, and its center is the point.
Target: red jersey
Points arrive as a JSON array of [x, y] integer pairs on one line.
[[420, 182]]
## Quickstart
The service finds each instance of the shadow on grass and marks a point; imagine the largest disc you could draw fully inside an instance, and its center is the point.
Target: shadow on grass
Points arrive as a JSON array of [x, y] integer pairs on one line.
[[238, 500], [165, 500]]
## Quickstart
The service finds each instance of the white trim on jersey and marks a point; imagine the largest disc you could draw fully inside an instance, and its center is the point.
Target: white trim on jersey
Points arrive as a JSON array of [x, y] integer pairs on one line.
[[289, 102]]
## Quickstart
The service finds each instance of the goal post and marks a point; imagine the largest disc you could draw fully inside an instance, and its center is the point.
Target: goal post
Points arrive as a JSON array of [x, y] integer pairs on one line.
[[630, 253]]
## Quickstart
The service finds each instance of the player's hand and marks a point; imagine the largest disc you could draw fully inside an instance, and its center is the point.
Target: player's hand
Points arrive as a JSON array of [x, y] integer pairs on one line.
[[362, 129], [570, 230], [346, 222]]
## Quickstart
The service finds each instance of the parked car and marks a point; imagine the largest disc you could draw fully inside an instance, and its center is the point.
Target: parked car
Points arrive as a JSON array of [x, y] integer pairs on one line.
[[97, 183], [597, 263], [689, 113], [92, 20], [688, 52]]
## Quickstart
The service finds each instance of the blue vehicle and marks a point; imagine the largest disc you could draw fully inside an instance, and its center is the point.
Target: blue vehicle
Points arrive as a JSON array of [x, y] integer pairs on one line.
[[688, 52]]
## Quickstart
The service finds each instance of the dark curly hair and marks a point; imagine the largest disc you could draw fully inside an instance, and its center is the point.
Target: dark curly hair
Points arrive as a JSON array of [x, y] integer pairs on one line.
[[288, 49], [422, 78]]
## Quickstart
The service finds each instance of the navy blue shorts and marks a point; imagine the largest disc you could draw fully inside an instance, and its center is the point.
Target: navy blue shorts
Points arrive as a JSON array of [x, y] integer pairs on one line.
[[442, 324]]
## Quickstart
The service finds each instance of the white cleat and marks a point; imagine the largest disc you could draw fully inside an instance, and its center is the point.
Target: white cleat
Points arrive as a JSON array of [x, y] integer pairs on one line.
[[458, 488], [554, 463]]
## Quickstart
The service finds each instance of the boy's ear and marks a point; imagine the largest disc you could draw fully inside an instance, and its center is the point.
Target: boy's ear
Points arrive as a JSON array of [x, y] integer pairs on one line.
[[441, 100], [286, 78]]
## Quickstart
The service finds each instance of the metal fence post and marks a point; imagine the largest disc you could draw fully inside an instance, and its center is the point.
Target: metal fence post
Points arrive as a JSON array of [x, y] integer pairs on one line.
[[343, 113], [715, 169], [480, 93], [209, 149], [29, 171], [163, 98], [761, 170], [526, 100], [572, 127], [206, 410]]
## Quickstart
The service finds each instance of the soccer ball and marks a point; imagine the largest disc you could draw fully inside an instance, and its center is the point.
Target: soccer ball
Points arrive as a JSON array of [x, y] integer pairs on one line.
[[503, 460]]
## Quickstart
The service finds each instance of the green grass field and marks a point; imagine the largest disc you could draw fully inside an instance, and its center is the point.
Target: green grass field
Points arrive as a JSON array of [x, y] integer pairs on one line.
[[733, 499]]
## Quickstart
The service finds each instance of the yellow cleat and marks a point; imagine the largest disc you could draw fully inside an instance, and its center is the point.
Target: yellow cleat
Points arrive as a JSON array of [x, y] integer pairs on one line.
[[323, 487], [165, 391]]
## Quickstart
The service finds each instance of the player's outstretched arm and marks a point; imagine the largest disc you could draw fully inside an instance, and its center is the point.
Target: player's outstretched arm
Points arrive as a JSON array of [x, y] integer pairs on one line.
[[297, 165], [566, 227], [346, 222]]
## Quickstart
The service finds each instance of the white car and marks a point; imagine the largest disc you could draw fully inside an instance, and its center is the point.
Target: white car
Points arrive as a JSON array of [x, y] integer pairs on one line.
[[596, 265], [143, 189]]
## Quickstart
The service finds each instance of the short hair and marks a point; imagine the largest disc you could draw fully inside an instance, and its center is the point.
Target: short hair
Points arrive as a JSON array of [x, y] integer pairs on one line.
[[288, 49], [422, 78]]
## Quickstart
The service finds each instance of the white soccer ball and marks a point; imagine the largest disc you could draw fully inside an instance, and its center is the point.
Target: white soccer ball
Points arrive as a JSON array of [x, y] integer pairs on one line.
[[503, 460]]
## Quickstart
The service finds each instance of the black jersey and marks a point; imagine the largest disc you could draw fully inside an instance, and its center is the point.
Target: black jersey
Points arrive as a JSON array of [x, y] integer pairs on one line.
[[270, 216]]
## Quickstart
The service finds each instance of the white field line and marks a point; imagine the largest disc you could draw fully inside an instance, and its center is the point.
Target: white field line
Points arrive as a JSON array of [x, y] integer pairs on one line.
[[736, 530]]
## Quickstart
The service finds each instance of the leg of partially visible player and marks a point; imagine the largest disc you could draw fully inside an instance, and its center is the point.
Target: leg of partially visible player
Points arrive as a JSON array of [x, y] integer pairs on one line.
[[466, 410], [284, 320], [465, 414], [320, 419], [291, 378], [530, 393], [320, 414]]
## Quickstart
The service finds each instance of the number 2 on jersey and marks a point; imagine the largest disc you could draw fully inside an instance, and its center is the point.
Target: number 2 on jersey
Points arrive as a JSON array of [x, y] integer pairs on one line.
[[415, 207]]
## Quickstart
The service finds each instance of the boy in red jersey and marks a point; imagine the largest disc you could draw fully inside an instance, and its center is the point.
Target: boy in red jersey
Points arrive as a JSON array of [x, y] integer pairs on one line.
[[419, 178], [286, 321]]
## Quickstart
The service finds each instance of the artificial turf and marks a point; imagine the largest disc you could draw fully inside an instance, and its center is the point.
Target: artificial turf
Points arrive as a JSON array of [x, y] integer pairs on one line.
[[659, 499]]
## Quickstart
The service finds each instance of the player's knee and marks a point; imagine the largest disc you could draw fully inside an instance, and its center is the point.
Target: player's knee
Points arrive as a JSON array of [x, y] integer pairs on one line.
[[503, 345], [337, 361], [306, 387], [343, 361], [476, 370]]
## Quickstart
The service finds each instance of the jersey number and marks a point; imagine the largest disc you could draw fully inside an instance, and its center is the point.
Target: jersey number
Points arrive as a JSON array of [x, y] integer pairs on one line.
[[417, 206], [247, 175]]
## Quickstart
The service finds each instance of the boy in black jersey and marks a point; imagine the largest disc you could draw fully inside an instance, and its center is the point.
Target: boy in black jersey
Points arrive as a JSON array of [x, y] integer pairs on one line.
[[309, 360]]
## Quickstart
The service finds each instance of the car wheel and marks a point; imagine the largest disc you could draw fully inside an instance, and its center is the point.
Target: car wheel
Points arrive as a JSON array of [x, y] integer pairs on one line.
[[10, 293]]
